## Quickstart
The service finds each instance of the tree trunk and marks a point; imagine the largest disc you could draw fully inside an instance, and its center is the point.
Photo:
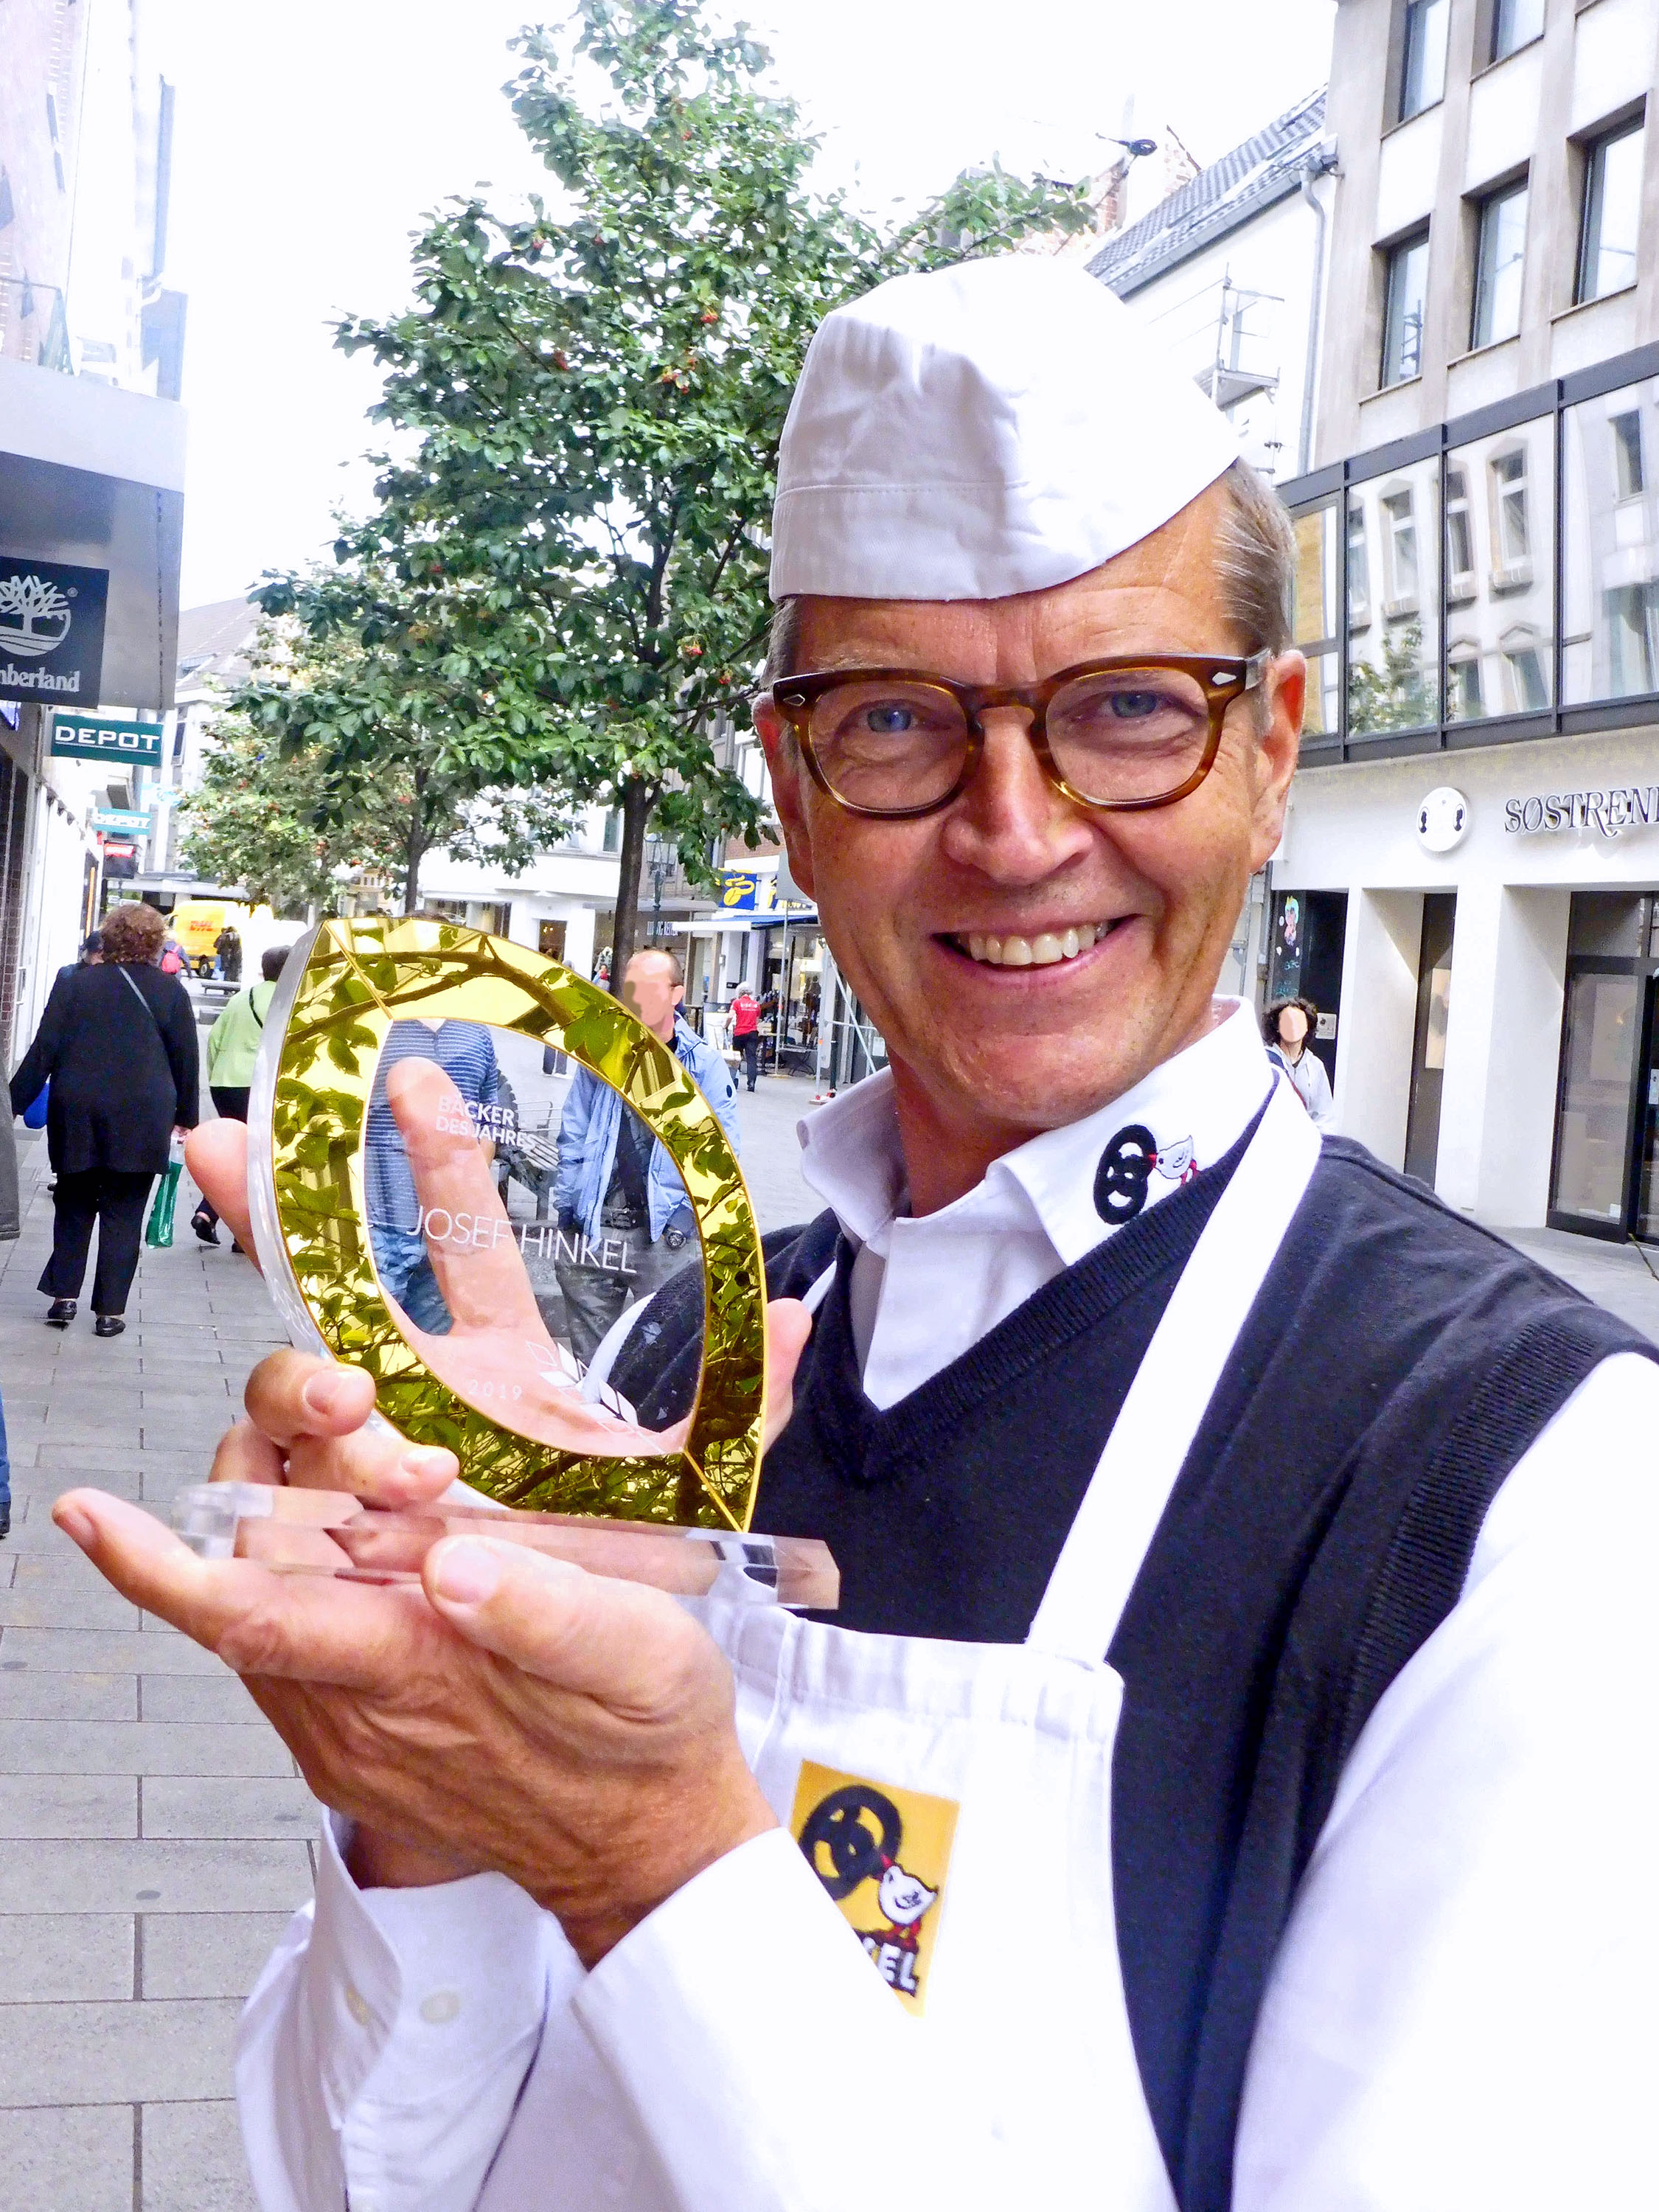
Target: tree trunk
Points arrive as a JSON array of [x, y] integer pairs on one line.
[[414, 850], [636, 797]]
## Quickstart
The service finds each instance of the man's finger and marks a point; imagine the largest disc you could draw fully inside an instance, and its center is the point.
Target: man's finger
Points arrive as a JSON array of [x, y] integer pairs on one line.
[[630, 1647], [215, 1153], [292, 1395], [297, 1627], [480, 1268]]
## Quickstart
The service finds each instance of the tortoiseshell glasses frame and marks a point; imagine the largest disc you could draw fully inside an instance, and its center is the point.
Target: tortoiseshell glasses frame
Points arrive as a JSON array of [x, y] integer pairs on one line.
[[1195, 709]]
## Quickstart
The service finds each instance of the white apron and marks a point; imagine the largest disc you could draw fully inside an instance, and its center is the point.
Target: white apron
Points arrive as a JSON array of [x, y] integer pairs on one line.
[[1023, 1993]]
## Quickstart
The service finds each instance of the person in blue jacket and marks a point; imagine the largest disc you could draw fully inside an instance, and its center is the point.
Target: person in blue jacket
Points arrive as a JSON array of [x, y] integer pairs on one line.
[[621, 1204]]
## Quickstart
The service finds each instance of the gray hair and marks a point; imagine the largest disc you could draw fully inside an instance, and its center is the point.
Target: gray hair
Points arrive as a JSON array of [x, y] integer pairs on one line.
[[1254, 559]]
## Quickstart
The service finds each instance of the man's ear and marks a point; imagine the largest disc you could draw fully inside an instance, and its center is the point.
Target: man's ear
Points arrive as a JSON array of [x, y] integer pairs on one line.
[[783, 763], [1277, 750]]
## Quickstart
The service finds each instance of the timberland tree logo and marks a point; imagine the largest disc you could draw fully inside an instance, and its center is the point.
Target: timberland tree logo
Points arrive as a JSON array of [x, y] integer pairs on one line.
[[51, 631], [852, 1833], [35, 617]]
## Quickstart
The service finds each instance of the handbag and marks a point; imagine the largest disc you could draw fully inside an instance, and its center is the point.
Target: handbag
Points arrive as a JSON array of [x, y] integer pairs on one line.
[[34, 1115], [158, 1230]]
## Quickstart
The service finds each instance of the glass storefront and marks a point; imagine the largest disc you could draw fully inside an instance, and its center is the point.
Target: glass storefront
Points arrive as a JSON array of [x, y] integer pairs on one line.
[[1500, 574], [1318, 598], [1610, 615]]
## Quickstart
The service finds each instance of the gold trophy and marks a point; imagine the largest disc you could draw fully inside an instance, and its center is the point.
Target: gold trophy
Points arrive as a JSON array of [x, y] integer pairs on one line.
[[465, 1309]]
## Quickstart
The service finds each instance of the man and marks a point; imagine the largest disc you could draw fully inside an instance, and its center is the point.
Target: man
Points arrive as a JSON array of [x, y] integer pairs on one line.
[[466, 1056], [1229, 1779], [745, 1031], [232, 1047], [619, 1197], [92, 953]]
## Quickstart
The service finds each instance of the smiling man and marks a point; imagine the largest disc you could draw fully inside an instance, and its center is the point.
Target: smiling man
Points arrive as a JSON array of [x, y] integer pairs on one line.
[[1229, 1779]]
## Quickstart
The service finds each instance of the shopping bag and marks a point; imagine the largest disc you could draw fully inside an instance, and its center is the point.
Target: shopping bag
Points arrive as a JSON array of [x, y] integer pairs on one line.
[[158, 1230], [34, 1115]]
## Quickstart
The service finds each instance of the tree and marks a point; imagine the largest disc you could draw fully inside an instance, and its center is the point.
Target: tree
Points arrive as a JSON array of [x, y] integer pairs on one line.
[[595, 396], [350, 746]]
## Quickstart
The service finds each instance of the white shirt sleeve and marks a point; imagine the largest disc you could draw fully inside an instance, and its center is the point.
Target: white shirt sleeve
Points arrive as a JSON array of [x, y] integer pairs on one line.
[[1462, 2013], [383, 2050]]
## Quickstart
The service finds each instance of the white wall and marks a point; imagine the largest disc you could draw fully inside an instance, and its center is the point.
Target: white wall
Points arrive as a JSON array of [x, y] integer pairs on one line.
[[1377, 1018]]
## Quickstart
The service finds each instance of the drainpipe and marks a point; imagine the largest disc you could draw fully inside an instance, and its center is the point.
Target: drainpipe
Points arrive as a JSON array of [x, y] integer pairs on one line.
[[1321, 164]]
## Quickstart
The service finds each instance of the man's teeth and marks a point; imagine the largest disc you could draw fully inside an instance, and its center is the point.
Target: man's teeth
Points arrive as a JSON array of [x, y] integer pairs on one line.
[[1040, 952]]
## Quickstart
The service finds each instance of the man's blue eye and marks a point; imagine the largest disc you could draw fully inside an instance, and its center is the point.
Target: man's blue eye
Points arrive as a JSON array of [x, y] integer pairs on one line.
[[1128, 705], [889, 722]]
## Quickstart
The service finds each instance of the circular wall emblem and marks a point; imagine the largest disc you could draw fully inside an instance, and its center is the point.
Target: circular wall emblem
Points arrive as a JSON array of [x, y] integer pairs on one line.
[[1443, 820]]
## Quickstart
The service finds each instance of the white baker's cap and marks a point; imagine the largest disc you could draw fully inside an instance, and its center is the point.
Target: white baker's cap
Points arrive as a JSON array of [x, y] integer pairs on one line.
[[996, 428]]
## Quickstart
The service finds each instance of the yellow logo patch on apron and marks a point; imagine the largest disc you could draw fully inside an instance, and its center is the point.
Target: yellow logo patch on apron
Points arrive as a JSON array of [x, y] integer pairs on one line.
[[882, 1854]]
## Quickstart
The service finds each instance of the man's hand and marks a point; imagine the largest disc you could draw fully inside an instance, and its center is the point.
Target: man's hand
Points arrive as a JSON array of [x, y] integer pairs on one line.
[[392, 1713], [515, 1714]]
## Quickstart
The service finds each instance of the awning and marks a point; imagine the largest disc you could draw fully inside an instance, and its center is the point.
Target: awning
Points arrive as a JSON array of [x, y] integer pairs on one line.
[[712, 925]]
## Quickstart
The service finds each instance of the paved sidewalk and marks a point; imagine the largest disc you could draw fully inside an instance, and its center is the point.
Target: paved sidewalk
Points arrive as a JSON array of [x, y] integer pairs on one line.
[[154, 1833]]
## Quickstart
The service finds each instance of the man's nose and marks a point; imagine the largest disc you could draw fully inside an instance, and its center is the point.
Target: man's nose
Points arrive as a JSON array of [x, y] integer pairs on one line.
[[1011, 822]]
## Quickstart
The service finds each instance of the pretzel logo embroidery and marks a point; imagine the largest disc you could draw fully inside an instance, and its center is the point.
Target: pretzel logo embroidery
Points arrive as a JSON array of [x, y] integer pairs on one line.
[[1126, 1166], [852, 1833]]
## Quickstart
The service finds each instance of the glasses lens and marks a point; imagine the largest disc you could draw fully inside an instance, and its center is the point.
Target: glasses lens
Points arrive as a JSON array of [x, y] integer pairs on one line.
[[888, 746], [1127, 734]]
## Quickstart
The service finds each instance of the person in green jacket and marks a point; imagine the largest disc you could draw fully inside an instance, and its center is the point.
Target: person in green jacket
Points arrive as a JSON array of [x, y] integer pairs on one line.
[[232, 1047]]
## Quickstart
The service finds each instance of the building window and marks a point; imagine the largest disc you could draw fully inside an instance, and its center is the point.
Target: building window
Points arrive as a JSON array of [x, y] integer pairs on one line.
[[1359, 569], [1610, 548], [1628, 472], [1516, 23], [1402, 315], [1512, 519], [1500, 258], [1613, 212], [1530, 693], [1460, 539], [1423, 60], [1463, 701], [1632, 616], [1400, 529], [612, 837]]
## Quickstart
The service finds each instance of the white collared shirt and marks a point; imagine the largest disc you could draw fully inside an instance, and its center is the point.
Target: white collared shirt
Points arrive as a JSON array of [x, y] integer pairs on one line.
[[926, 1290]]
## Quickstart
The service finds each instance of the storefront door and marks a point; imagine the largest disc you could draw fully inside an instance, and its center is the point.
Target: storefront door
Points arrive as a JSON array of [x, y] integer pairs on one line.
[[1434, 969], [1605, 1181]]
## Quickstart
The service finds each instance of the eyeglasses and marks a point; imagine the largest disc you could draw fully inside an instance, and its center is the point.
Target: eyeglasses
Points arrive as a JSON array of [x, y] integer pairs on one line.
[[1115, 735]]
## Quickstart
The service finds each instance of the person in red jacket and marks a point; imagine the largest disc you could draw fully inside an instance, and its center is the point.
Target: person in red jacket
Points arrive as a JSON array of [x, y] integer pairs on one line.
[[745, 1031]]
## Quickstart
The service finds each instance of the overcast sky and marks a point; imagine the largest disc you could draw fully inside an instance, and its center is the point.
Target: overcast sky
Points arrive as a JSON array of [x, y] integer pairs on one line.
[[311, 138]]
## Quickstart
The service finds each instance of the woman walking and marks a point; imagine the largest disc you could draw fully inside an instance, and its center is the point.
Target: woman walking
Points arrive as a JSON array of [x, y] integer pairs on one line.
[[1286, 1027], [118, 1043]]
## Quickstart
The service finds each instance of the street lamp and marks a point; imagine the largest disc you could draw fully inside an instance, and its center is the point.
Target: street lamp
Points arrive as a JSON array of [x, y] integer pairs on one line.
[[1136, 148], [660, 858]]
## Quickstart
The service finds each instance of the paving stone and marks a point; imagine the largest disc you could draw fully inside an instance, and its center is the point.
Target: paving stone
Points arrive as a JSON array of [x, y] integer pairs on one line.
[[207, 1954], [218, 1699], [89, 1605], [52, 1958], [79, 2158], [154, 1747], [27, 1696], [108, 1651], [153, 1877], [193, 2160], [164, 2049], [68, 1803], [197, 1805], [56, 1468]]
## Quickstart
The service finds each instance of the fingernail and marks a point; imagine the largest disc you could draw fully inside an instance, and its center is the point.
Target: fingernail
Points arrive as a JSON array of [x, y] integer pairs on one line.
[[322, 1393], [468, 1573], [427, 1459], [75, 1525]]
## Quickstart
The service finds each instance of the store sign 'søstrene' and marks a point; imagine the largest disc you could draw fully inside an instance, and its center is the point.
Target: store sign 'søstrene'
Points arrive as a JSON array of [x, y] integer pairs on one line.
[[1626, 806], [51, 631]]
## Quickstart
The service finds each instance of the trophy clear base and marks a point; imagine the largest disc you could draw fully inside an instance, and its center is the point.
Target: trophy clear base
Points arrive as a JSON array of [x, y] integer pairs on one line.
[[325, 1532]]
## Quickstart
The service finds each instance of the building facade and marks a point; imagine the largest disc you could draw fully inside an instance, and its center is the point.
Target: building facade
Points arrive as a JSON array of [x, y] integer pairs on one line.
[[1468, 879], [91, 469]]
